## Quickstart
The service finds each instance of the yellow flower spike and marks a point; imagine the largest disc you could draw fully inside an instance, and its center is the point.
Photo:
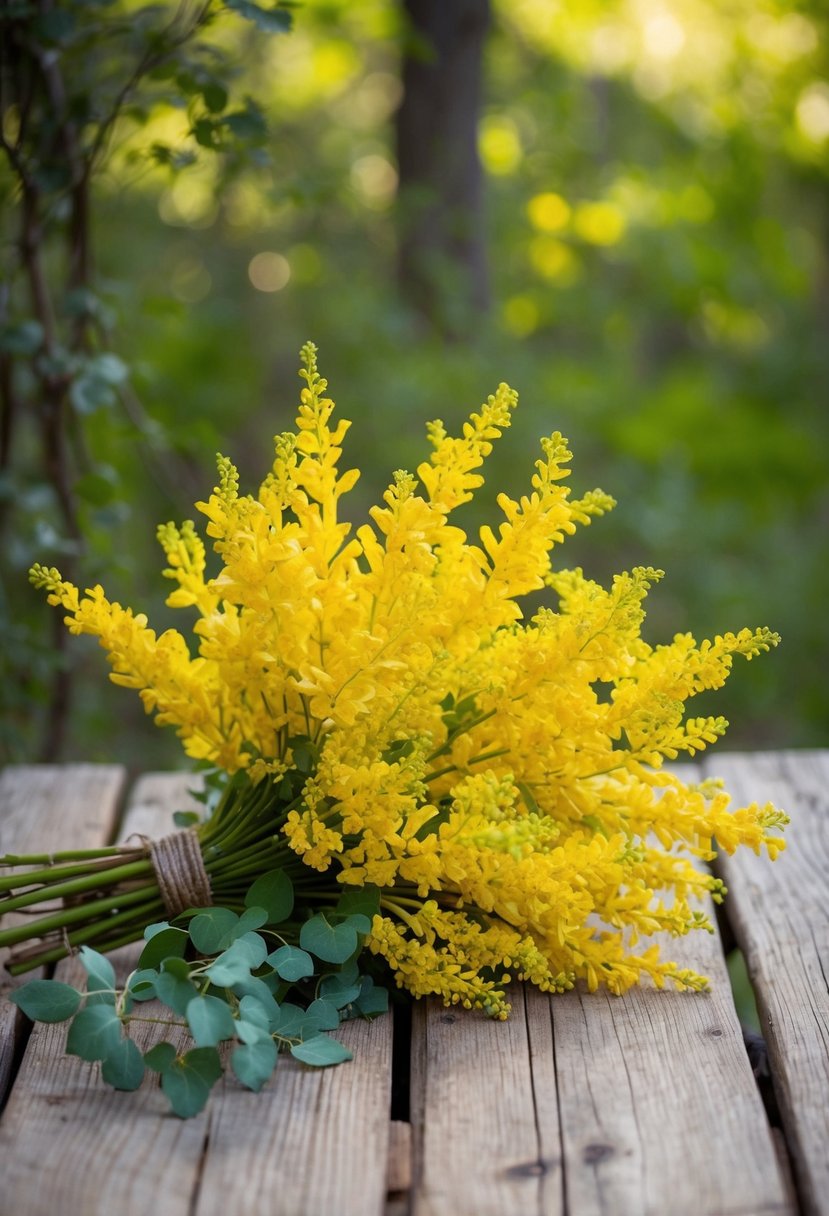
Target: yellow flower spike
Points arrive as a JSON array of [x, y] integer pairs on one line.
[[448, 477]]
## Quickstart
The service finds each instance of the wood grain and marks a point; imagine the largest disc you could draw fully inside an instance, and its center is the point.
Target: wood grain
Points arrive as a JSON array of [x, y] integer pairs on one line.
[[479, 1149], [313, 1141], [47, 807], [780, 915]]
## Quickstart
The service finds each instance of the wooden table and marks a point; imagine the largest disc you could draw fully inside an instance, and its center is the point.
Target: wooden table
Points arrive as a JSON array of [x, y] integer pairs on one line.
[[577, 1105]]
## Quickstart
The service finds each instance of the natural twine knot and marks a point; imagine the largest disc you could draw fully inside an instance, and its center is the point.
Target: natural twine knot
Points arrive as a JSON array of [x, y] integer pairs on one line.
[[179, 868]]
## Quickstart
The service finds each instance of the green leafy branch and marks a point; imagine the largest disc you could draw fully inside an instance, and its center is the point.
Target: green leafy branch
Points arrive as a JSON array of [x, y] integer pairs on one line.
[[219, 982]]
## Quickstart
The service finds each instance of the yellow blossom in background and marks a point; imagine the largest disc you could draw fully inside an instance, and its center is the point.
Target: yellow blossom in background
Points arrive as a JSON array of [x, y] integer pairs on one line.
[[452, 753]]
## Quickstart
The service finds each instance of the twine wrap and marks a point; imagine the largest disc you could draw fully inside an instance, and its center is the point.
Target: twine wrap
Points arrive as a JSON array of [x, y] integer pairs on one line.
[[179, 868]]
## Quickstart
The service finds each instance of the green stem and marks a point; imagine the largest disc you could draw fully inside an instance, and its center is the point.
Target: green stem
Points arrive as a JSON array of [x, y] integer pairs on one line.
[[93, 882], [49, 859], [74, 916]]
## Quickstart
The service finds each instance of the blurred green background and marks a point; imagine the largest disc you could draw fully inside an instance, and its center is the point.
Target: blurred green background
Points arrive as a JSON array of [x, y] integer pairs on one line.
[[656, 224]]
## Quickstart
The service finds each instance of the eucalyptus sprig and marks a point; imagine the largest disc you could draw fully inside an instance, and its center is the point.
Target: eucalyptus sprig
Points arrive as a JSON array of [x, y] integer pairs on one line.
[[222, 978]]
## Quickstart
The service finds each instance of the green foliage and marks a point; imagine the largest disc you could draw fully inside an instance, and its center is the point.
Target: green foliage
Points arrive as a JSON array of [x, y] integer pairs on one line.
[[79, 86], [334, 942], [291, 963], [47, 1000], [229, 988], [274, 893], [163, 942]]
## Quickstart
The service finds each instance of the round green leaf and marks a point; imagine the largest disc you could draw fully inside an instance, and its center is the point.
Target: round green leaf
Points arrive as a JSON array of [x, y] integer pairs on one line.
[[338, 992], [363, 900], [124, 1066], [163, 944], [95, 1033], [254, 1062], [254, 987], [254, 948], [372, 1000], [358, 922], [253, 1011], [228, 969], [212, 930], [210, 1020], [275, 893], [215, 96], [331, 943], [179, 967], [22, 339], [250, 1032], [269, 20], [141, 985], [90, 393], [291, 963], [188, 1081], [99, 969], [321, 1051], [174, 991], [324, 1014], [46, 1000], [185, 819], [289, 1022], [160, 1057], [109, 368]]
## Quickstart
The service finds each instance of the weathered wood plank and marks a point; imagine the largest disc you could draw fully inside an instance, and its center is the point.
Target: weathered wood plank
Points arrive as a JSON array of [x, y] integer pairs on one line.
[[477, 1144], [312, 1141], [658, 1108], [648, 1101], [780, 915], [41, 808]]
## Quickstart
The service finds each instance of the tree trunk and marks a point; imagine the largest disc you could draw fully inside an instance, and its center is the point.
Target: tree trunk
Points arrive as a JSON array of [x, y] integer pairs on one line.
[[442, 253]]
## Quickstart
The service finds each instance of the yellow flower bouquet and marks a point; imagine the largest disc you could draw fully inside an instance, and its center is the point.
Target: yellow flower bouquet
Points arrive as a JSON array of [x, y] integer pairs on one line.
[[394, 737]]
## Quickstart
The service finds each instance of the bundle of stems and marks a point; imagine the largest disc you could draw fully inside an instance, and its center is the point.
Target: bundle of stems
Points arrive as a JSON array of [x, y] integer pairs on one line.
[[106, 897]]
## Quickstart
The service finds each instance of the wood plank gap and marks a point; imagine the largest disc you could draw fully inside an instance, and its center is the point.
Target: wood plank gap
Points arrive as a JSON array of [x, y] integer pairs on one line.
[[400, 1156], [400, 1167], [784, 1160]]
